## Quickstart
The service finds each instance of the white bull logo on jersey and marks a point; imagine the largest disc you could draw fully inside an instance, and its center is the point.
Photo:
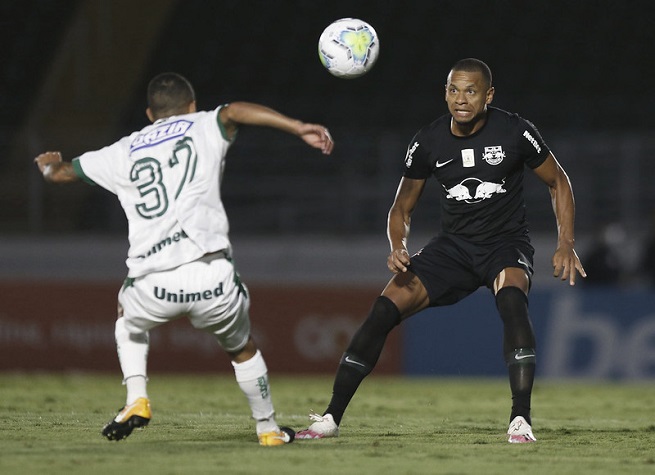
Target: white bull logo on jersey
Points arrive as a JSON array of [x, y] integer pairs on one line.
[[459, 192], [474, 190]]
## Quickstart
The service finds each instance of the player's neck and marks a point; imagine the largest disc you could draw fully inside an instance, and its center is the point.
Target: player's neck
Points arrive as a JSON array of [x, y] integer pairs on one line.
[[469, 128]]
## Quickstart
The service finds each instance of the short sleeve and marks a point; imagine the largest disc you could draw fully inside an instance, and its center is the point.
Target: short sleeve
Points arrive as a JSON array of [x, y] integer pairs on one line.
[[417, 159], [77, 168], [100, 167], [532, 144]]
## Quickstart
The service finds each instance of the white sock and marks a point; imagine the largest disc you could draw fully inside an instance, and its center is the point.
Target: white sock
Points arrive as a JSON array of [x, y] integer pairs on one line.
[[136, 388], [132, 351], [252, 376]]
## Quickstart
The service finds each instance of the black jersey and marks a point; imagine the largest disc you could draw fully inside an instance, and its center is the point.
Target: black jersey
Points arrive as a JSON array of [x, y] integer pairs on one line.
[[481, 176]]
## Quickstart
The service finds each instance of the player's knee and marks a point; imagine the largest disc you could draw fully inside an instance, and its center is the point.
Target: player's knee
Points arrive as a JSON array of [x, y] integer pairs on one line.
[[384, 316], [244, 352], [370, 337], [123, 335], [512, 304]]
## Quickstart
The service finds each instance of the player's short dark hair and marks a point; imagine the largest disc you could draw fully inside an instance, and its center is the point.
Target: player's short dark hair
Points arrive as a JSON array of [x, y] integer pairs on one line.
[[472, 65], [169, 94]]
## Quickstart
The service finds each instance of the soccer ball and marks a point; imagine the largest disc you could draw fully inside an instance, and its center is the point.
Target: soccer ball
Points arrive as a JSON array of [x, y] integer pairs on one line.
[[348, 48]]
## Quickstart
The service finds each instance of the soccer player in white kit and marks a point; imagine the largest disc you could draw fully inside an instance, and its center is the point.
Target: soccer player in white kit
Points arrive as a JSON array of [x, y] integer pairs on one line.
[[167, 177]]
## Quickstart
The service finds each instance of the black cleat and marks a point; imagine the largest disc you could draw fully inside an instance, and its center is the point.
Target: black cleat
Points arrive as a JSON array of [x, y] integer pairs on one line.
[[133, 416]]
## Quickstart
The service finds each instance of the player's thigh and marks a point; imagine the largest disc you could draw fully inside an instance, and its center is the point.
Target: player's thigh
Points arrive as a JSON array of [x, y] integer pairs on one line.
[[224, 308], [512, 277], [510, 264], [407, 292], [146, 303], [445, 269]]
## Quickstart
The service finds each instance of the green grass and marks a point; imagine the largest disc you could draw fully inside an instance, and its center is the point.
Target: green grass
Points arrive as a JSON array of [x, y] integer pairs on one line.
[[50, 425]]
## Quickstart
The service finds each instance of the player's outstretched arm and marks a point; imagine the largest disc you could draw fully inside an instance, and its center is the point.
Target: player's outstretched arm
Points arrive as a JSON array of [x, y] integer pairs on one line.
[[247, 113], [565, 260], [54, 169]]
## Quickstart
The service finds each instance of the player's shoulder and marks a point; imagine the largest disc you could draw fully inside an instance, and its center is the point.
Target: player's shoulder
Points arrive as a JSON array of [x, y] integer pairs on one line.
[[199, 116], [438, 126], [210, 118], [521, 130], [193, 120], [510, 119], [194, 116]]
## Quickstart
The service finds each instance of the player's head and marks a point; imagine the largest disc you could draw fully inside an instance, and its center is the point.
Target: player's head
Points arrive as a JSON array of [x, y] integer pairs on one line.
[[468, 92], [170, 94], [472, 65]]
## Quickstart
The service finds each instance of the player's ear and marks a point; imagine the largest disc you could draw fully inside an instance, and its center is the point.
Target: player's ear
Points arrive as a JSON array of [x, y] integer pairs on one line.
[[151, 116], [490, 95], [192, 108]]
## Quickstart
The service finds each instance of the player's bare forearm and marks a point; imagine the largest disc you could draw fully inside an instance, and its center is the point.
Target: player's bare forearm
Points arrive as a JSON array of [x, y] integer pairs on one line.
[[564, 209], [398, 222], [248, 113], [398, 227], [54, 169], [397, 232], [566, 262]]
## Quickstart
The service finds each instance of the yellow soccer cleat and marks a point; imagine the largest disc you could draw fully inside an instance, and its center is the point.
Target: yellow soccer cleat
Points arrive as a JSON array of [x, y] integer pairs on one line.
[[271, 439], [130, 417]]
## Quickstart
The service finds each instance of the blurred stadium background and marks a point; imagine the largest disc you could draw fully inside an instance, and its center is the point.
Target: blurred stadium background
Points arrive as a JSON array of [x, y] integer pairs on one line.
[[309, 231]]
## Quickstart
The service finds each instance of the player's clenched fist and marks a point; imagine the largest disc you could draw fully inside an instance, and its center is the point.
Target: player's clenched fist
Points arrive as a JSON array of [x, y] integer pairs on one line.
[[398, 261], [47, 158]]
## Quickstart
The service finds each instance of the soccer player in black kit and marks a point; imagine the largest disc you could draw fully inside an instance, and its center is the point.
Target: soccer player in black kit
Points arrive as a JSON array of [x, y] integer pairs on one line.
[[478, 155]]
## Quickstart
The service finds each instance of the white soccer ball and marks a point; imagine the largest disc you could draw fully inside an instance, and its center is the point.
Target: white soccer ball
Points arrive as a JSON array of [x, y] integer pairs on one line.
[[348, 48]]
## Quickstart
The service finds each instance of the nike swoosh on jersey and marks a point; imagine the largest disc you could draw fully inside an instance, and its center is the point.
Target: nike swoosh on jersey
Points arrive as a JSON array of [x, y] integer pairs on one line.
[[439, 165], [522, 357]]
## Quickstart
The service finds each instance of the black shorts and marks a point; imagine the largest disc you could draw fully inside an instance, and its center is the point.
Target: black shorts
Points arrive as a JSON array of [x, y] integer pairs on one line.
[[451, 267]]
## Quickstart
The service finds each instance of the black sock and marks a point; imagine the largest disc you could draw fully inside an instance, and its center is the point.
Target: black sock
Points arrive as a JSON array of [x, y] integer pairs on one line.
[[362, 355], [521, 368], [518, 348], [350, 374]]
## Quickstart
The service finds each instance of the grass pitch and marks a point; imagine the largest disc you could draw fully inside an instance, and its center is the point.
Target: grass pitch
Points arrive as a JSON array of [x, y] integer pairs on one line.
[[51, 425]]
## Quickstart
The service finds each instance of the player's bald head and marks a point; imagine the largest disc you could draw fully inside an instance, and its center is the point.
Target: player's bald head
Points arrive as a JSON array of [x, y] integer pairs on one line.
[[169, 94]]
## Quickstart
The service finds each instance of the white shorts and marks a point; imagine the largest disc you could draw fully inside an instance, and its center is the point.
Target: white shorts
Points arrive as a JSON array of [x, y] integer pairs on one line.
[[207, 291]]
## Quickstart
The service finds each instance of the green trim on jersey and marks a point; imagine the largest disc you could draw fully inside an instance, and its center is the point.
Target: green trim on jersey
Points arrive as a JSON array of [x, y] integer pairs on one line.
[[222, 127], [77, 168], [128, 282]]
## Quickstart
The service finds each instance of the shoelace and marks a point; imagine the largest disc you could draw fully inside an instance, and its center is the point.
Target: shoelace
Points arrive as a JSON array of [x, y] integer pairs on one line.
[[315, 417]]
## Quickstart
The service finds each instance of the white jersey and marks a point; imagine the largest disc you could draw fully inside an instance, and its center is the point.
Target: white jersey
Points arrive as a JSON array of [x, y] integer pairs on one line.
[[167, 177]]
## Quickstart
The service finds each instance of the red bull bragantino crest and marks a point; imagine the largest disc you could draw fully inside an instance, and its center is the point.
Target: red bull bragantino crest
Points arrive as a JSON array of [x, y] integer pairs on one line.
[[493, 155]]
